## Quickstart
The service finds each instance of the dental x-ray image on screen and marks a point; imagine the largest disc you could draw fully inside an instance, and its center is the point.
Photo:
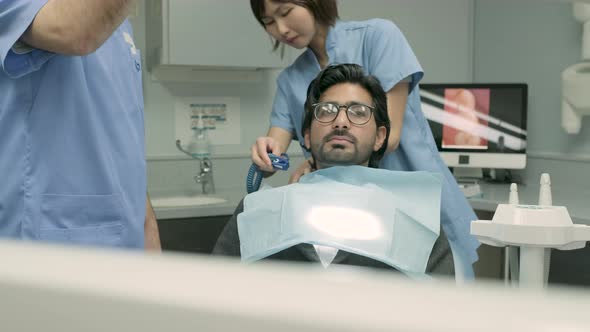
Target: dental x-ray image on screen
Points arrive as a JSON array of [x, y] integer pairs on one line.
[[478, 125]]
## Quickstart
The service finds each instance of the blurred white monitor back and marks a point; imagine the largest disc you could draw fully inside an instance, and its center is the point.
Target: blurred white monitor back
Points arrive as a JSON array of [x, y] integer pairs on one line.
[[63, 289], [478, 125]]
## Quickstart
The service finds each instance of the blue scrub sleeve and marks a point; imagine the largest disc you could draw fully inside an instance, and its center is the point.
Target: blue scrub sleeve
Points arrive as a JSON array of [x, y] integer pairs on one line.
[[15, 18], [280, 116], [391, 58]]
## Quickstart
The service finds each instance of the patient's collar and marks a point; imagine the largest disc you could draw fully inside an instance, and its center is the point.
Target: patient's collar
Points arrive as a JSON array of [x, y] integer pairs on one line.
[[326, 254]]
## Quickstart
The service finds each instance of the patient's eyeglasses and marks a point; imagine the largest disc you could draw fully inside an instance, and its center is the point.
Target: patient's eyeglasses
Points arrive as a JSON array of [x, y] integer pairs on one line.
[[327, 112]]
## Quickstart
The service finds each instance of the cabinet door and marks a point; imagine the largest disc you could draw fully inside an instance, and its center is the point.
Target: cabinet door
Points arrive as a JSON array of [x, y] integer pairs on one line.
[[217, 33], [196, 235]]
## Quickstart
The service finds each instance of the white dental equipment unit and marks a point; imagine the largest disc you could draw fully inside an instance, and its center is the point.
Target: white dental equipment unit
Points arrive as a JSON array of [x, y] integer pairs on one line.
[[536, 229], [80, 292]]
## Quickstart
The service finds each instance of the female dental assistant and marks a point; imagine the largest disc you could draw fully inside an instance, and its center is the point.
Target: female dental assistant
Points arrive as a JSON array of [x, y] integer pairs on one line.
[[380, 47]]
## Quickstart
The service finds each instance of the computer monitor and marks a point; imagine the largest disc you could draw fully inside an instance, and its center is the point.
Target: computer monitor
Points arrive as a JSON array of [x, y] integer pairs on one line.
[[478, 125]]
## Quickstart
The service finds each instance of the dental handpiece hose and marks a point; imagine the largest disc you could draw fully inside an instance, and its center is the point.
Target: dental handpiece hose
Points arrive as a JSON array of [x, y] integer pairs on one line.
[[254, 178]]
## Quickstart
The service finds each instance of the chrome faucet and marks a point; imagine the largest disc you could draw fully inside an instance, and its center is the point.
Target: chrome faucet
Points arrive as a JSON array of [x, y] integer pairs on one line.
[[205, 176]]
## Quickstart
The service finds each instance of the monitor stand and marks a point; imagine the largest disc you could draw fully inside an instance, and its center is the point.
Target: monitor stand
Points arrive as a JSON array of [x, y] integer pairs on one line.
[[500, 175], [467, 173], [468, 180]]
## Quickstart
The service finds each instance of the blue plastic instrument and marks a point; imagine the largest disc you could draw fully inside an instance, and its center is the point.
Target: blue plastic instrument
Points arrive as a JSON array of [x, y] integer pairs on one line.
[[255, 174]]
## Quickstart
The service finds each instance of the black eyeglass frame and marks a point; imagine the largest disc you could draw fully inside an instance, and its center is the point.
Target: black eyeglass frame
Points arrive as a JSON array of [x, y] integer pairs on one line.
[[347, 107]]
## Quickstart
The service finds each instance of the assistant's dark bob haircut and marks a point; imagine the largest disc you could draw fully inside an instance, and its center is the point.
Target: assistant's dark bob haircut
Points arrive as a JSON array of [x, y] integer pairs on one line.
[[325, 12], [354, 74]]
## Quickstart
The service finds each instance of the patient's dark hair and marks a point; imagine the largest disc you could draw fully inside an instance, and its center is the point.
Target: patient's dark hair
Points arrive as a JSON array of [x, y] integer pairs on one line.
[[325, 12], [350, 73]]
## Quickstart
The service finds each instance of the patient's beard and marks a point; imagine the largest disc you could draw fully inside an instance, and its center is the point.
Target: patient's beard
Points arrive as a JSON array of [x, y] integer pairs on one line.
[[327, 154]]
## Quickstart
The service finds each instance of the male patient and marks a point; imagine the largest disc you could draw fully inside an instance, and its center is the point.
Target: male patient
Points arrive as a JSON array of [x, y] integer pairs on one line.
[[346, 123]]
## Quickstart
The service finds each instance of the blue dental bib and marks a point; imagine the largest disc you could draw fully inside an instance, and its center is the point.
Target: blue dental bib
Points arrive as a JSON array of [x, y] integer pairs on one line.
[[390, 216]]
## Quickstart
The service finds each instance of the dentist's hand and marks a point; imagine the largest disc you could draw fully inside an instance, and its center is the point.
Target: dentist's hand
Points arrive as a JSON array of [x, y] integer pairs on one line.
[[260, 150], [305, 168]]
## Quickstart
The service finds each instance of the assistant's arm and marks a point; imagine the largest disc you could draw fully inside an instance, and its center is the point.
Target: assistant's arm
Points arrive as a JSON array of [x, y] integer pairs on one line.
[[397, 98]]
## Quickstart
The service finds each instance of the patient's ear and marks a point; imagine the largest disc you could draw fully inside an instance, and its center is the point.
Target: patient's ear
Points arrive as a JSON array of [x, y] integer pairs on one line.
[[380, 139], [307, 140]]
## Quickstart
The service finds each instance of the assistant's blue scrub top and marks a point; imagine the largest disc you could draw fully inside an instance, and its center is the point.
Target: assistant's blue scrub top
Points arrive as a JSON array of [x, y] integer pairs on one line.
[[382, 50], [71, 139]]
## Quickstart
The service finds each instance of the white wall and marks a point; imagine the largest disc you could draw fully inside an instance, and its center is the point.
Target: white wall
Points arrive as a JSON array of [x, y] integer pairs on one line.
[[533, 42], [440, 32]]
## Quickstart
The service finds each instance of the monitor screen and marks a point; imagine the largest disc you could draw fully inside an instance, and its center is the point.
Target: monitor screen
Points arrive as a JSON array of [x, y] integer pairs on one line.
[[478, 125]]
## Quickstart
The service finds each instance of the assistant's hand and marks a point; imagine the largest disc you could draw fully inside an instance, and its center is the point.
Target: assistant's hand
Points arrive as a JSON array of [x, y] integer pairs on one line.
[[304, 168], [260, 151]]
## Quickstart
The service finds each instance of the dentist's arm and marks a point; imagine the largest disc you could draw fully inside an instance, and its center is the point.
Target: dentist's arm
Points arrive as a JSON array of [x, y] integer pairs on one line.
[[152, 233], [76, 27]]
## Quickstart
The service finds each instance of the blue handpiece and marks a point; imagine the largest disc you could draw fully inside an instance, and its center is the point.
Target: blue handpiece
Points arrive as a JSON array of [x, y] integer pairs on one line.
[[280, 163], [254, 178]]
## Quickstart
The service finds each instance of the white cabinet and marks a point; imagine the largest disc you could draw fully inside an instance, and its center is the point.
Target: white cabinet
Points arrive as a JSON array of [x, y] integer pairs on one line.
[[208, 33]]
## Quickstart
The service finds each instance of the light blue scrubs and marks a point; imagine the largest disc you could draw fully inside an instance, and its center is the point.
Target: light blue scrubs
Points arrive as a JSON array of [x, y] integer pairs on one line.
[[72, 139], [382, 50]]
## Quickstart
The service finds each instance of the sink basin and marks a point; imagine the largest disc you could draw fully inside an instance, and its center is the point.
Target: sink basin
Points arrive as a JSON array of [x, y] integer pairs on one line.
[[186, 201]]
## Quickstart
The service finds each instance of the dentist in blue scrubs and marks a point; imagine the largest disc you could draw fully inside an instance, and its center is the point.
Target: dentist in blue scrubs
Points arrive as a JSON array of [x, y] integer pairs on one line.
[[71, 125], [382, 50]]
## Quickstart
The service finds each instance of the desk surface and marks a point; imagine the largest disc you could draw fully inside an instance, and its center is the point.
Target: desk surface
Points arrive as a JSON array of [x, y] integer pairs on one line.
[[577, 201]]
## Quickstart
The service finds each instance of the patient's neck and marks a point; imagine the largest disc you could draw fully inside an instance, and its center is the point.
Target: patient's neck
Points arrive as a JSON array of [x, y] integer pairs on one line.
[[322, 165]]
